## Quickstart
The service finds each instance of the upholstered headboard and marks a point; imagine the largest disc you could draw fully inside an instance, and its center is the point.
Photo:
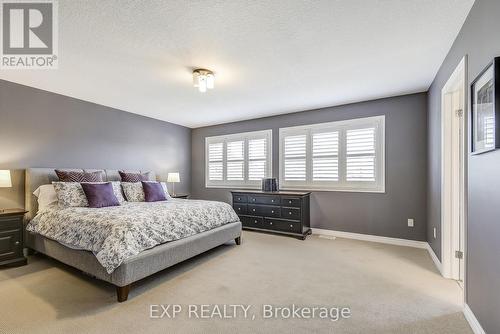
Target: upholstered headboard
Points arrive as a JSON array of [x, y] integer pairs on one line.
[[35, 177]]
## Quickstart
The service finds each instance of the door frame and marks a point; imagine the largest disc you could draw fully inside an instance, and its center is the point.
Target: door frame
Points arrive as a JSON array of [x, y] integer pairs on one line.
[[450, 265]]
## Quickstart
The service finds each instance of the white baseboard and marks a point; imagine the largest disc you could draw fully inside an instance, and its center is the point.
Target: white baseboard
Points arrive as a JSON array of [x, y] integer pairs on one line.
[[372, 238], [471, 318], [434, 258]]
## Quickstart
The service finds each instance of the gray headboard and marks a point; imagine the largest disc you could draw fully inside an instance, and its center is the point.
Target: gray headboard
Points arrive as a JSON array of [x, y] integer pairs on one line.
[[35, 177]]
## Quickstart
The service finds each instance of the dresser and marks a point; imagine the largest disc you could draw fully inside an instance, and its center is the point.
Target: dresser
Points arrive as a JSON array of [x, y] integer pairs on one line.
[[283, 212], [11, 237]]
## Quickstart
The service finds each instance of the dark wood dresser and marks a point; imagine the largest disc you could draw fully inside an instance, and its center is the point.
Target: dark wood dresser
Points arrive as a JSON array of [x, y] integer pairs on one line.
[[283, 212], [11, 237]]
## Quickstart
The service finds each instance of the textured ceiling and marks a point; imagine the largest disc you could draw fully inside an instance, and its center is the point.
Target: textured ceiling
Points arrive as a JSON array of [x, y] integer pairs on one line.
[[270, 57]]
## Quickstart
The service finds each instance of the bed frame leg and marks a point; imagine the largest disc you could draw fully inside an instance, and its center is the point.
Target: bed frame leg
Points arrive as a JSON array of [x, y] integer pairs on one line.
[[238, 240], [122, 293]]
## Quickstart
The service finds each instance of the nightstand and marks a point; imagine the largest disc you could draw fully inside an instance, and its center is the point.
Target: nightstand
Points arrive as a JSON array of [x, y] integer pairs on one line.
[[185, 196], [11, 237]]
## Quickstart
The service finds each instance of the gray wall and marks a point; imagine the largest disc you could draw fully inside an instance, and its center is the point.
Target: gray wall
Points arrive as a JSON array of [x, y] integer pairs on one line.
[[42, 129], [480, 41], [369, 213]]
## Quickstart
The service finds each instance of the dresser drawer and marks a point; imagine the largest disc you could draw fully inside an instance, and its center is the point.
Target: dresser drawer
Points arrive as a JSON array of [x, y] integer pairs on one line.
[[261, 199], [290, 201], [282, 225], [240, 209], [249, 221], [239, 198], [290, 213], [264, 210], [10, 244], [8, 223]]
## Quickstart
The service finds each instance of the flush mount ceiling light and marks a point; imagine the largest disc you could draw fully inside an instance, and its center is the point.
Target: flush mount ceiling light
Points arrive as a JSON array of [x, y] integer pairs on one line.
[[203, 79]]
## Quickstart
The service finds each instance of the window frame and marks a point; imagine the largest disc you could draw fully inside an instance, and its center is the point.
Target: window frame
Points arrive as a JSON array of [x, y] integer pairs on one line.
[[245, 137], [378, 186]]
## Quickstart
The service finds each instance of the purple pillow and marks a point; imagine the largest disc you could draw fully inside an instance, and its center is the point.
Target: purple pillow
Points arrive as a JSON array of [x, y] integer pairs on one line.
[[100, 195], [79, 176], [153, 191], [133, 177]]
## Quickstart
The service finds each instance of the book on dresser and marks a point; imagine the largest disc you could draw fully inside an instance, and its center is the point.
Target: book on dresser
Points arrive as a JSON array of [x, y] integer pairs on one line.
[[283, 212]]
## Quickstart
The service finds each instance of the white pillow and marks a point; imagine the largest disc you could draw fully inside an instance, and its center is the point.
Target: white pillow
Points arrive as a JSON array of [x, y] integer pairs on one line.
[[46, 195], [164, 185]]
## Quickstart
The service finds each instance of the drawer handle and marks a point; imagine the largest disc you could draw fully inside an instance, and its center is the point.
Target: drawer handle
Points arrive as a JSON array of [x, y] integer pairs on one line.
[[290, 212], [239, 209], [291, 225], [272, 201], [239, 198], [272, 211], [255, 221], [270, 223], [253, 199], [253, 210], [289, 202], [16, 243]]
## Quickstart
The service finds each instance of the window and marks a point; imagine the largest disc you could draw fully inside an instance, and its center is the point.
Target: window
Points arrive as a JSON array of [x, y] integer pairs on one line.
[[238, 160], [338, 156]]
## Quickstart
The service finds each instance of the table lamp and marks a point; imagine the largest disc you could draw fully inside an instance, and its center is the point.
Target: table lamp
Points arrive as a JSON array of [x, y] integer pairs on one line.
[[5, 181], [174, 178]]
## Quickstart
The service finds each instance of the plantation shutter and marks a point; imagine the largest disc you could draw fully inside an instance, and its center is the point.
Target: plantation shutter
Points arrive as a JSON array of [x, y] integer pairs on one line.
[[325, 156], [360, 155], [215, 162], [257, 156], [235, 160], [295, 158]]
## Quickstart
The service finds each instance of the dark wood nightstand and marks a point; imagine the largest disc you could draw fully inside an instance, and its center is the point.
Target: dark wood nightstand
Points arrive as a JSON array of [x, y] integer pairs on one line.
[[185, 196], [11, 237]]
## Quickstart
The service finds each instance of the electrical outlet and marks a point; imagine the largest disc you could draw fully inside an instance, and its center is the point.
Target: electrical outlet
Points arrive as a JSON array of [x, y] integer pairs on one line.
[[434, 233], [411, 222]]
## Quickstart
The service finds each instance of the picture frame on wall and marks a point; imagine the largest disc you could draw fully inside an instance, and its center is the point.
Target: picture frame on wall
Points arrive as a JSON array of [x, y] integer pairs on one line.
[[485, 109]]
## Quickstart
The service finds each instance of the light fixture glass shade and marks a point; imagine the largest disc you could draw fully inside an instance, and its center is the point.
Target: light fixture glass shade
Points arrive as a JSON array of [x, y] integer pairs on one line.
[[210, 81], [203, 79], [196, 77], [173, 177], [5, 180], [202, 83]]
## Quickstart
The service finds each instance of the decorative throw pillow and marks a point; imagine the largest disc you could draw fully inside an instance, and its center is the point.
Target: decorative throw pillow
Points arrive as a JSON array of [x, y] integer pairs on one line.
[[133, 177], [79, 176], [133, 191], [153, 192], [100, 195], [70, 194], [117, 189]]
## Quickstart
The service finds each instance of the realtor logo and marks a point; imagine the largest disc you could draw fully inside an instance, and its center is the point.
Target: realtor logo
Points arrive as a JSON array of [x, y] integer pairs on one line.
[[29, 34]]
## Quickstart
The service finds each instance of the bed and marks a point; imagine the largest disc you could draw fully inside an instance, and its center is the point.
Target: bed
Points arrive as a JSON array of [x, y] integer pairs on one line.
[[146, 237]]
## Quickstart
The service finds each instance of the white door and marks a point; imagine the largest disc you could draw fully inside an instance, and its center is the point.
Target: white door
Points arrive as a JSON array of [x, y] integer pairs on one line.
[[457, 175], [453, 174]]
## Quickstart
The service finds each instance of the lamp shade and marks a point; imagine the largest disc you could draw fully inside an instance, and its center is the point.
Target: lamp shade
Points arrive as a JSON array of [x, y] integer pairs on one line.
[[5, 180], [173, 177]]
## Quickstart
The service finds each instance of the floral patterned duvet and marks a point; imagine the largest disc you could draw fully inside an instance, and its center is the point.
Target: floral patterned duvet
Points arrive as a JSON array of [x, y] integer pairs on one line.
[[114, 234]]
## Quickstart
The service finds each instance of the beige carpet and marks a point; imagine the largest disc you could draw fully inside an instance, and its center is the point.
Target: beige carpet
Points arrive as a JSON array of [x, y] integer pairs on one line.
[[389, 289]]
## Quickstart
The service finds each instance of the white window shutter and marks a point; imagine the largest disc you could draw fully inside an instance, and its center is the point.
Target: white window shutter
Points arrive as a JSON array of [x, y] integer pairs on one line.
[[360, 152], [215, 161], [235, 160], [295, 157], [325, 151], [257, 153]]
